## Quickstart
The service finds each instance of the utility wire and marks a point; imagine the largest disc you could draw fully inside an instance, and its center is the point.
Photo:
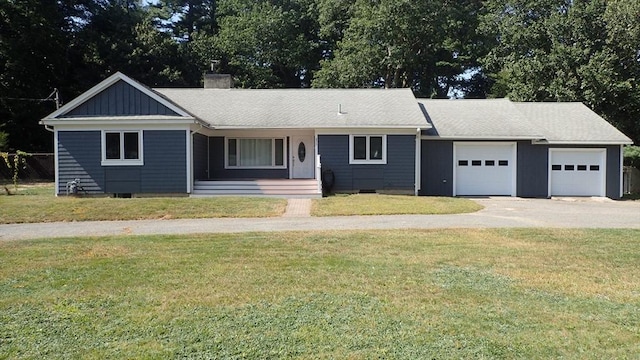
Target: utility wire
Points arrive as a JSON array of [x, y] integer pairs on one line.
[[54, 96]]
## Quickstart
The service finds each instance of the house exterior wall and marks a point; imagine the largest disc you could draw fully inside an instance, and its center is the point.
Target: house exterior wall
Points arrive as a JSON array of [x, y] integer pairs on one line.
[[436, 170], [120, 99], [79, 156], [200, 157], [532, 168], [164, 169], [218, 171], [398, 174]]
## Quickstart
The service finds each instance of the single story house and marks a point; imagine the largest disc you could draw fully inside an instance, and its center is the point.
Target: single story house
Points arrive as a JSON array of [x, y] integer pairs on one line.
[[123, 138]]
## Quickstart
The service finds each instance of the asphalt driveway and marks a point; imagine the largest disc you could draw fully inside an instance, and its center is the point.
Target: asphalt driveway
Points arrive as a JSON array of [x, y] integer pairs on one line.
[[498, 213]]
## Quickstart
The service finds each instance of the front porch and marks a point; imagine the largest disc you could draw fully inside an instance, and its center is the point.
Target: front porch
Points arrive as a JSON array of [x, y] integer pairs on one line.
[[255, 163], [290, 188]]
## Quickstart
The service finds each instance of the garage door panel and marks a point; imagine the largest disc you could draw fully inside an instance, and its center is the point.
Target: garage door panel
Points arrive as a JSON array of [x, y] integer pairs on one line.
[[577, 172], [484, 169]]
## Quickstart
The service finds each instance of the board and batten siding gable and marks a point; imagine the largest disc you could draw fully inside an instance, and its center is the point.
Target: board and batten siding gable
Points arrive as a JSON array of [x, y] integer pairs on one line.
[[79, 157], [397, 174], [120, 99]]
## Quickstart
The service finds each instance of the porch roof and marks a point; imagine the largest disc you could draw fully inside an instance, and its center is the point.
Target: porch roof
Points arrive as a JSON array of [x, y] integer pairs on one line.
[[300, 108]]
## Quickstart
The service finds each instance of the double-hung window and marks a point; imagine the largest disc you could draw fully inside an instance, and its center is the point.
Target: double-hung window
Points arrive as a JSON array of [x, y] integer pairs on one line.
[[252, 153], [122, 147], [367, 149]]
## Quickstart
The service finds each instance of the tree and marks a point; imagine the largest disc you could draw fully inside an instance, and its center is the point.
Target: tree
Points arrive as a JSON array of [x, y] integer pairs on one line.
[[562, 50], [420, 44], [122, 37], [35, 58], [269, 43]]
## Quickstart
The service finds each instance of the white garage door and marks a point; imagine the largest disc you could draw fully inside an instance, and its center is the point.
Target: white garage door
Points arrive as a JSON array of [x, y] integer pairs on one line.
[[484, 168], [577, 172]]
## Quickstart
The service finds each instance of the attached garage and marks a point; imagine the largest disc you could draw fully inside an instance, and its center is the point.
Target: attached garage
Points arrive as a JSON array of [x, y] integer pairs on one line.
[[484, 168], [577, 172], [487, 147]]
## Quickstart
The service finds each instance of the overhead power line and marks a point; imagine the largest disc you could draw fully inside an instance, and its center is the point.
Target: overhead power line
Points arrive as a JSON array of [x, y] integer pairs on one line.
[[54, 96]]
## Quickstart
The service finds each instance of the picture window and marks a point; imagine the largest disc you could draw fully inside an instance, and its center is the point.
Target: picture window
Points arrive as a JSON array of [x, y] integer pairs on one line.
[[250, 153]]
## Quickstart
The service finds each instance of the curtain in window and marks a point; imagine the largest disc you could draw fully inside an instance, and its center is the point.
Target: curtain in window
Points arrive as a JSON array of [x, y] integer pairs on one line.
[[255, 152]]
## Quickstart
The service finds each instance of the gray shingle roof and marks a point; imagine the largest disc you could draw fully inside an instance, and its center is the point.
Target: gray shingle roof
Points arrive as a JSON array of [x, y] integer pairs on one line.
[[570, 122], [478, 118], [553, 122], [300, 108]]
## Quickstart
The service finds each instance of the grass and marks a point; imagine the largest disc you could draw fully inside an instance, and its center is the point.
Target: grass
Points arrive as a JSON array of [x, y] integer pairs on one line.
[[36, 203], [374, 204], [510, 293]]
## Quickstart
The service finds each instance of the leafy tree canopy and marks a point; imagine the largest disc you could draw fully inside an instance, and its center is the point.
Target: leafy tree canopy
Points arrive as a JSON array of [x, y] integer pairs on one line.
[[528, 50]]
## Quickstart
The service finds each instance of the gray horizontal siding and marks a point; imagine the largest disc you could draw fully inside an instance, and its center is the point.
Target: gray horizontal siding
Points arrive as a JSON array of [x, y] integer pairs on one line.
[[218, 172], [200, 157], [164, 169], [120, 99], [79, 157], [165, 162], [436, 170], [614, 164], [533, 170], [397, 174]]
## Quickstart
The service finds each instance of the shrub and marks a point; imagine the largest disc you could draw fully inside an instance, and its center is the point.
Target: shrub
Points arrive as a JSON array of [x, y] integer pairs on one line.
[[632, 156]]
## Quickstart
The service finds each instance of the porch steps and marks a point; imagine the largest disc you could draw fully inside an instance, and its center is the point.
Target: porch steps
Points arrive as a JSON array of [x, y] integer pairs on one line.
[[263, 187]]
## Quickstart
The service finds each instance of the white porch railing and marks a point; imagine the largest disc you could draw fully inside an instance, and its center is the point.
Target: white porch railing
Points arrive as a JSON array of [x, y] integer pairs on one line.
[[319, 173]]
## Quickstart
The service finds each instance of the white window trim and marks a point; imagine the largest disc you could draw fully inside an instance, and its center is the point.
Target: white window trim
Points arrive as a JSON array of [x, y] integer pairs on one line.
[[273, 153], [368, 161], [122, 161]]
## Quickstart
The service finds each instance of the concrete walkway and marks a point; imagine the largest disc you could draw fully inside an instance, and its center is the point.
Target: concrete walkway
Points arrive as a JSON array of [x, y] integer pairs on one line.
[[498, 213]]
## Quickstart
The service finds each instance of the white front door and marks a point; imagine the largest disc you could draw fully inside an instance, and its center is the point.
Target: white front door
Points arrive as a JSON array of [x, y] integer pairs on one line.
[[302, 157]]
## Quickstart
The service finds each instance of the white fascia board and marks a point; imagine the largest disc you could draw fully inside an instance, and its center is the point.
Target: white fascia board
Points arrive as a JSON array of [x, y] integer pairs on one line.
[[478, 138], [119, 126], [260, 133], [583, 143], [104, 84], [102, 122], [368, 131]]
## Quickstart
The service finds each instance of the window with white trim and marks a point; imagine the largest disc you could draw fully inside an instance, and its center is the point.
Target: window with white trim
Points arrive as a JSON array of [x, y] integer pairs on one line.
[[122, 147], [255, 153], [367, 149]]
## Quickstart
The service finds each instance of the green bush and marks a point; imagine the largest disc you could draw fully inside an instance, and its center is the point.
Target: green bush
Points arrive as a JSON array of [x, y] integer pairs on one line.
[[632, 156]]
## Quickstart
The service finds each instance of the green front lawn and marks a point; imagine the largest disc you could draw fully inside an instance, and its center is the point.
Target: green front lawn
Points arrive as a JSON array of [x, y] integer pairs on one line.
[[510, 293], [375, 204], [38, 204]]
